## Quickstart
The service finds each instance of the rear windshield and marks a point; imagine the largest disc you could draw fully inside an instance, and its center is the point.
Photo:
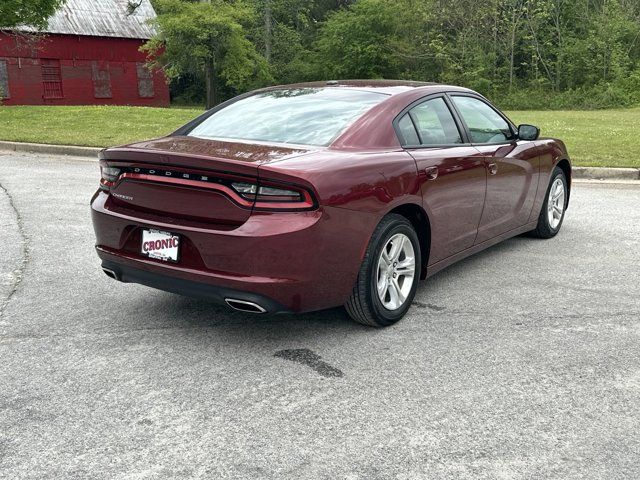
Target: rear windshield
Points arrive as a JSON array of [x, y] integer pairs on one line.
[[305, 116]]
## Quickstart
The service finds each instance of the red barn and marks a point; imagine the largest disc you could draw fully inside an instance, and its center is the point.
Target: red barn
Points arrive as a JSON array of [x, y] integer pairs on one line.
[[89, 54]]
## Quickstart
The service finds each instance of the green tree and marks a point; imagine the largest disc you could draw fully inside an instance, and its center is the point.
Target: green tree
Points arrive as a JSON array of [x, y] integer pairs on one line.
[[285, 32], [583, 52], [211, 38], [27, 12], [523, 53], [373, 39]]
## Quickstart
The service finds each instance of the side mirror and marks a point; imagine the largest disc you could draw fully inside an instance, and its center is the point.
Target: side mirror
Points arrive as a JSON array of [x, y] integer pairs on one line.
[[528, 132]]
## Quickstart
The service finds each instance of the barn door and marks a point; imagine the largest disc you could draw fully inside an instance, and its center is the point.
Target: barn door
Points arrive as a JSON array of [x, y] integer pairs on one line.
[[51, 78], [101, 79], [145, 81], [4, 79]]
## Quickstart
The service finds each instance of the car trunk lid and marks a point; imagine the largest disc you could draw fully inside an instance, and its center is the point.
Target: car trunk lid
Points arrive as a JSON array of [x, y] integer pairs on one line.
[[189, 178]]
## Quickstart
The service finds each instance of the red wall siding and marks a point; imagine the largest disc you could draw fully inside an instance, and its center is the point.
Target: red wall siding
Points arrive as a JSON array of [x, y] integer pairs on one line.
[[76, 55]]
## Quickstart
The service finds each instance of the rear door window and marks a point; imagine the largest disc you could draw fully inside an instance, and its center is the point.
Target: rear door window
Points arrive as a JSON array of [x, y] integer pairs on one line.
[[429, 124], [408, 132]]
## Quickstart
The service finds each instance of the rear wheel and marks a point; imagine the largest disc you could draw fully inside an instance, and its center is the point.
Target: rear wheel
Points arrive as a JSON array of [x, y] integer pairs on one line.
[[388, 276], [554, 206]]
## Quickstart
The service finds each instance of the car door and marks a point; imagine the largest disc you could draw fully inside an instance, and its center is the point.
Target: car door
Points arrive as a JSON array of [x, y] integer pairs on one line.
[[450, 171], [512, 166]]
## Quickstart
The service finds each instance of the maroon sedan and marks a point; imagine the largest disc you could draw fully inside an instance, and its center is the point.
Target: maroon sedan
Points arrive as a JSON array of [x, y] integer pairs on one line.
[[303, 197]]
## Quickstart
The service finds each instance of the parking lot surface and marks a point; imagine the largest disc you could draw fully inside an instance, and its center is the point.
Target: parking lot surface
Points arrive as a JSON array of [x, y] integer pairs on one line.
[[522, 362]]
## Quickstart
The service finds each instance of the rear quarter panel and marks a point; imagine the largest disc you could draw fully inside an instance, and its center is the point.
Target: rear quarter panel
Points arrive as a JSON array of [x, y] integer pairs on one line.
[[371, 182], [367, 184]]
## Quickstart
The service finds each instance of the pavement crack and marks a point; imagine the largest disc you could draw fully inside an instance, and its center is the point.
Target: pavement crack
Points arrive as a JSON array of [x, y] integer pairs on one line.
[[25, 252], [307, 357]]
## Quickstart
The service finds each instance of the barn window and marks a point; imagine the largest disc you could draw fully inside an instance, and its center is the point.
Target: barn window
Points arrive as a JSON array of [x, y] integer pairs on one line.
[[4, 79], [51, 78], [145, 81], [101, 79]]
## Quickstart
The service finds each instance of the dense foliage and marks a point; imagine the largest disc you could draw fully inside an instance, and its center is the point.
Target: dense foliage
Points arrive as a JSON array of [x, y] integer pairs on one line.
[[522, 53], [208, 37], [27, 12]]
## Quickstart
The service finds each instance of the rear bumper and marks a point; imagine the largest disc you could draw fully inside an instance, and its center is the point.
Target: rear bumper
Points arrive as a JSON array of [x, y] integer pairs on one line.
[[217, 294], [291, 262]]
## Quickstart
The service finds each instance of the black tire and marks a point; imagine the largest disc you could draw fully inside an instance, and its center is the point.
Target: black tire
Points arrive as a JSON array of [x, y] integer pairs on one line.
[[544, 229], [364, 306]]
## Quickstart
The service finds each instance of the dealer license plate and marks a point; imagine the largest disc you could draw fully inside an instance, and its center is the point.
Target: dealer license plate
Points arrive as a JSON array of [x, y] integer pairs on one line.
[[160, 245]]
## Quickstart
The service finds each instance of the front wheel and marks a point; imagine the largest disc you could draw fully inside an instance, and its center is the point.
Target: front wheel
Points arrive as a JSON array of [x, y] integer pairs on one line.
[[388, 276], [554, 206]]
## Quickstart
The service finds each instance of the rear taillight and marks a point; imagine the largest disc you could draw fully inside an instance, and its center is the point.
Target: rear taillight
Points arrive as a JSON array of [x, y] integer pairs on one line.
[[275, 196], [246, 190], [271, 194], [109, 176]]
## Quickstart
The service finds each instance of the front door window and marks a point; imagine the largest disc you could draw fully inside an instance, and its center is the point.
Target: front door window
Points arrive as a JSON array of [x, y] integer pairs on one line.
[[484, 123]]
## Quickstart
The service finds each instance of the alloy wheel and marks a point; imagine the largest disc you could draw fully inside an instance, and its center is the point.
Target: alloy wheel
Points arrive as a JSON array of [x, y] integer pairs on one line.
[[555, 203], [396, 271]]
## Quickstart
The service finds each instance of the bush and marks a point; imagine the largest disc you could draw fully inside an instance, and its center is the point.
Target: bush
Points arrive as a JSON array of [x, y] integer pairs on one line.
[[622, 93]]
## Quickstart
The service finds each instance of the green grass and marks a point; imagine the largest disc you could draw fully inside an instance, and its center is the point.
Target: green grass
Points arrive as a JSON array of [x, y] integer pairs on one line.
[[594, 138], [93, 126]]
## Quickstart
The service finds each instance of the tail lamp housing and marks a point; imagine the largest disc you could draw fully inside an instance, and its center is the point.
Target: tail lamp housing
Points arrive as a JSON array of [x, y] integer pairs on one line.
[[272, 196], [108, 176]]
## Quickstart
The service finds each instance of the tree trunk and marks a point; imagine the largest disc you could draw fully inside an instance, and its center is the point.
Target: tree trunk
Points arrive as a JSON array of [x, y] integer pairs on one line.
[[512, 55], [267, 30], [210, 75], [515, 22], [557, 20]]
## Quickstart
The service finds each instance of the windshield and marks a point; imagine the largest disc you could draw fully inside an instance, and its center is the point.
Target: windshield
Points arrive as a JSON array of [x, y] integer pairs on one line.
[[304, 116]]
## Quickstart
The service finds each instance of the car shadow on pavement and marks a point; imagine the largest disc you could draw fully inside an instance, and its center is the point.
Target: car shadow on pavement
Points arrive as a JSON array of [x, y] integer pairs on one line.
[[513, 245], [195, 314], [176, 311]]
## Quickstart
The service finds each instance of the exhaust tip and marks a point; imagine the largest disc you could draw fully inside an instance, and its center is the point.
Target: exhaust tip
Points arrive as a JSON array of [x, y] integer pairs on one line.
[[110, 273], [244, 306]]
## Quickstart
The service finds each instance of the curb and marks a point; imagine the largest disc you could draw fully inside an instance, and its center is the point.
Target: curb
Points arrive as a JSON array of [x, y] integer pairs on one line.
[[582, 173], [71, 150], [603, 173]]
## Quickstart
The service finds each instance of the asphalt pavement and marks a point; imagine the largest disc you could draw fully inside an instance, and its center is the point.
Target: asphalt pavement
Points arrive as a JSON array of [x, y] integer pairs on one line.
[[522, 362]]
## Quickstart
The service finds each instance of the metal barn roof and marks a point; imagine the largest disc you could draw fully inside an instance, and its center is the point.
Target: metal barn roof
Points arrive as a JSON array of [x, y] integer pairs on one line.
[[102, 18]]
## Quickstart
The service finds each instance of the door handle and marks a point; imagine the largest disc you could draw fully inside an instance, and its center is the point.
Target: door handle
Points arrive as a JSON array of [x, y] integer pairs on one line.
[[432, 173], [493, 168]]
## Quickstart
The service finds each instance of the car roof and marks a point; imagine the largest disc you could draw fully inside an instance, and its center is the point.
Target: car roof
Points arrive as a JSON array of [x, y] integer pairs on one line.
[[387, 87]]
